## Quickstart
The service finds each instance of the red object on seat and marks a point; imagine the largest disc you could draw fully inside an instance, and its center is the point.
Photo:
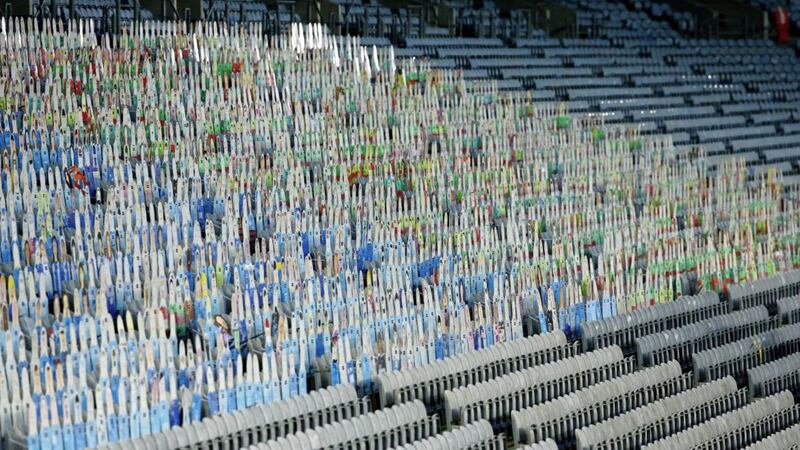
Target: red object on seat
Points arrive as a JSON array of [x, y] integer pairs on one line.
[[781, 18]]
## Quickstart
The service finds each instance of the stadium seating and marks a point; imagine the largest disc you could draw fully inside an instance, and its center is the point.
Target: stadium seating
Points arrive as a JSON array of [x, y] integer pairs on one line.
[[662, 82], [212, 237]]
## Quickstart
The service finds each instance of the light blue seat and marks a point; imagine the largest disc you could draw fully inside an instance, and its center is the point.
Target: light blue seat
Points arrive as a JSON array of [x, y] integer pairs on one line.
[[735, 133], [537, 42], [665, 113], [706, 99], [641, 103], [606, 93], [771, 117], [515, 62], [772, 142], [578, 82], [703, 123]]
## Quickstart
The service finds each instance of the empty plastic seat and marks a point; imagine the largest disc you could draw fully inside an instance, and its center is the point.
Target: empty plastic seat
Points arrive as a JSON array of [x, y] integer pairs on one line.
[[661, 418], [681, 343], [625, 70], [583, 106], [377, 41], [385, 428], [557, 419], [547, 72], [736, 358], [735, 133], [483, 52], [653, 80], [791, 128], [409, 52], [681, 137], [592, 61], [443, 63], [567, 82], [428, 383], [543, 94], [666, 113], [771, 117], [705, 122], [643, 102], [778, 155], [494, 400], [737, 108], [708, 99], [684, 89], [785, 141], [514, 62], [789, 309], [739, 427], [766, 291], [453, 42], [776, 376], [589, 51], [781, 440], [548, 444], [537, 42], [624, 329], [476, 435], [606, 93], [474, 74]]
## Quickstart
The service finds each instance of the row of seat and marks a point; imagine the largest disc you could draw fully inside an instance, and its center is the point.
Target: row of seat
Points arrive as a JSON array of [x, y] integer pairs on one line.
[[612, 92], [383, 429], [791, 141], [428, 383], [667, 113], [715, 123], [757, 107], [737, 428], [577, 82], [773, 377], [789, 309], [477, 435], [771, 117], [471, 53], [639, 103], [514, 62], [766, 291], [782, 440], [547, 72], [715, 98], [726, 134], [661, 418], [573, 51], [681, 343], [559, 418], [454, 42], [624, 329], [544, 445], [495, 399], [690, 45], [737, 357]]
